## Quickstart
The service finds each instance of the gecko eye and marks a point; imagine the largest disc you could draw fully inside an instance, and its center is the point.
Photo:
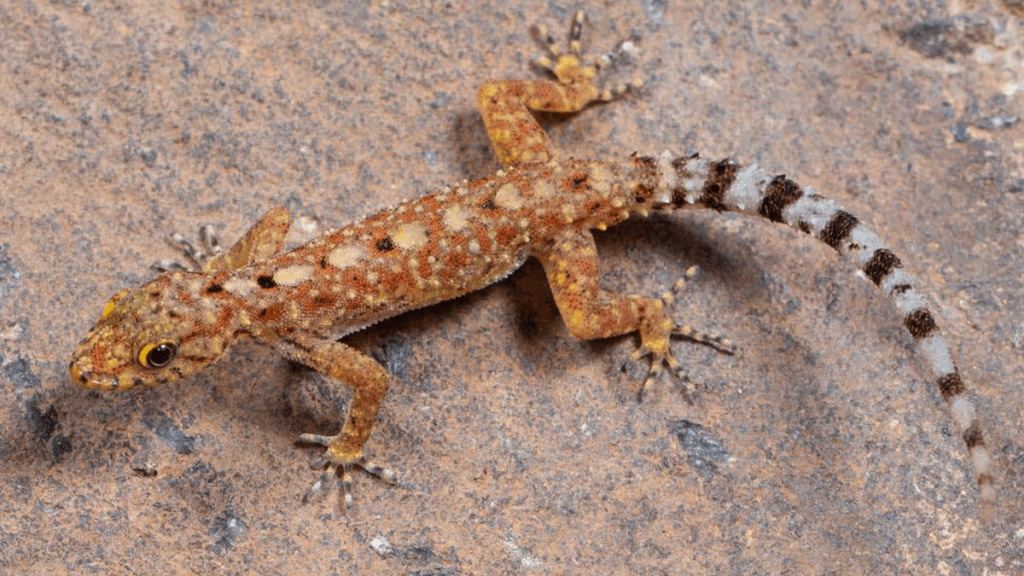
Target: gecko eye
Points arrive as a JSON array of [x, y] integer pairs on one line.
[[157, 355]]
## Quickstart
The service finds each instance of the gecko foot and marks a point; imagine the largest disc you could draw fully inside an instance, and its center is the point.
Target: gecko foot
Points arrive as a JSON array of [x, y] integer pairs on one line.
[[572, 68], [196, 255], [335, 461], [656, 332]]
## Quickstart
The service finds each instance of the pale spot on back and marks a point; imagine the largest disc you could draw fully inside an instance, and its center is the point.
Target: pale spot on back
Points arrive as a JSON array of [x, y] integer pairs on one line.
[[410, 236], [456, 217], [240, 287], [292, 275], [508, 196], [346, 255]]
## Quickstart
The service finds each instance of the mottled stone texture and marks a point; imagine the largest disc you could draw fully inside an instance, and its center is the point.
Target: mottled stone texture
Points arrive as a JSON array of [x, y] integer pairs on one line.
[[821, 448]]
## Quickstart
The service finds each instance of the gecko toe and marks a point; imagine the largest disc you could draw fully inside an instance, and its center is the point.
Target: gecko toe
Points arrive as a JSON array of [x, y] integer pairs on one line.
[[316, 439], [318, 486], [658, 362], [720, 343], [341, 466]]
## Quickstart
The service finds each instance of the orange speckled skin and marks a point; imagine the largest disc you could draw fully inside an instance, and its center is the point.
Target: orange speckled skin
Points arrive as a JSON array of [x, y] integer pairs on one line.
[[421, 252]]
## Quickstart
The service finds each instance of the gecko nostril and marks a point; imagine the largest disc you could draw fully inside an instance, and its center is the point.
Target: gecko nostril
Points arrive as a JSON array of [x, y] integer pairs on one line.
[[79, 376]]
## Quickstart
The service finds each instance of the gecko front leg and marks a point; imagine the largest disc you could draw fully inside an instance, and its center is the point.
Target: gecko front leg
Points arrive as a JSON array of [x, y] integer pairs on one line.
[[264, 240], [337, 361], [369, 381]]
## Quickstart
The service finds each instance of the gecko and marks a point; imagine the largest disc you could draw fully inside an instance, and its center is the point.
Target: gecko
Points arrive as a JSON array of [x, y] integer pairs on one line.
[[541, 204]]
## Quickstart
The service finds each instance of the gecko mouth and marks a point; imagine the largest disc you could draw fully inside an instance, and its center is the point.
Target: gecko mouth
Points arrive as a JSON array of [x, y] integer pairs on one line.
[[83, 377]]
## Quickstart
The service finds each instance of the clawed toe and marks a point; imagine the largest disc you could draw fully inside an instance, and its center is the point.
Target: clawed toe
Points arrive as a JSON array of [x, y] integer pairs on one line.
[[655, 333], [658, 362], [720, 343], [196, 255], [345, 467]]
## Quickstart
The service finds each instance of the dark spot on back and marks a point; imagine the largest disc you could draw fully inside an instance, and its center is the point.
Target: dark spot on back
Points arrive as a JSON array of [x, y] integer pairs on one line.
[[385, 244], [273, 312], [647, 165], [647, 168], [578, 181], [266, 281], [489, 204], [214, 288], [590, 206], [644, 162], [680, 167]]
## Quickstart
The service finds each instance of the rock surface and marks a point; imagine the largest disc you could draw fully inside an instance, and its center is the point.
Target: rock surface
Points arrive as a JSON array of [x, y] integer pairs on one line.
[[821, 448]]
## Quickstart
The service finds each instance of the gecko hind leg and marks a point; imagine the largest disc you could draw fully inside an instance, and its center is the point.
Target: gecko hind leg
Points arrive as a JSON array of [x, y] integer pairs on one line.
[[506, 106], [570, 263]]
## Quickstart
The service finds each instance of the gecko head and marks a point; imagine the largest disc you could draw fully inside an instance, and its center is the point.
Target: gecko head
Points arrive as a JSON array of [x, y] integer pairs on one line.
[[156, 333]]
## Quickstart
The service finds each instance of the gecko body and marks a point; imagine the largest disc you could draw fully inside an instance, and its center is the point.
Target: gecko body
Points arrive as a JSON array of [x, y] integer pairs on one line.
[[443, 245]]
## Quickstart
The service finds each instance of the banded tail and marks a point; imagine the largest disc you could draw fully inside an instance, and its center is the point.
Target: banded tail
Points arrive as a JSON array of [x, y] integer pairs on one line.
[[723, 185]]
